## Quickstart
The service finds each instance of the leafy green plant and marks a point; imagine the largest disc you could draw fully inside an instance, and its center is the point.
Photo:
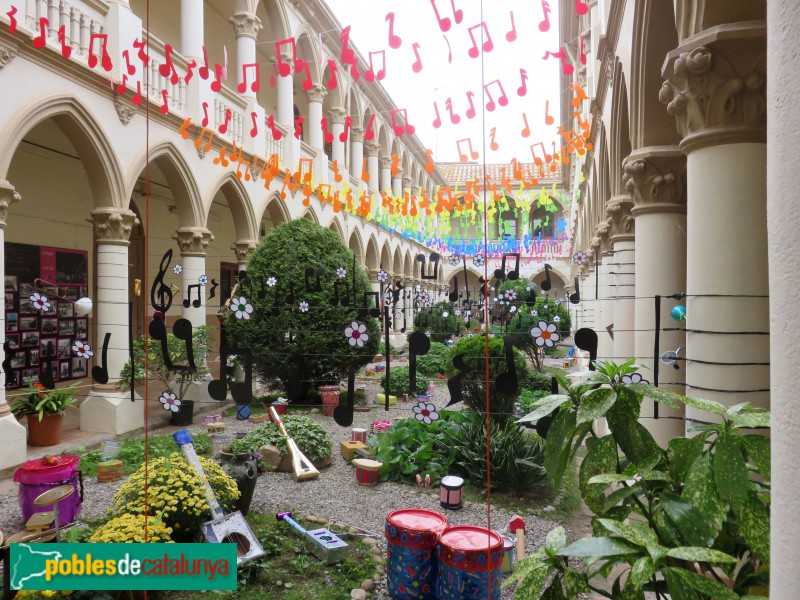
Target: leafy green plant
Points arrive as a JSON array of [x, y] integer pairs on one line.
[[409, 447], [435, 361], [312, 439], [40, 401], [519, 326], [382, 348], [691, 521], [308, 348], [473, 383], [400, 382], [538, 380], [440, 321], [529, 397]]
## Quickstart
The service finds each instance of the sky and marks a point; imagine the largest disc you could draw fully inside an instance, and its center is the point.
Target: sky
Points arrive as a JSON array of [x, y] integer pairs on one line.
[[449, 72]]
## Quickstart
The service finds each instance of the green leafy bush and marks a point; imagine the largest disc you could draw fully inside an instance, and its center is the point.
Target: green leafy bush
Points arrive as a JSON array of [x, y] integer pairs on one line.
[[312, 439], [409, 447], [520, 324], [440, 320], [529, 397], [400, 382], [382, 348], [539, 381], [473, 384], [435, 361], [310, 348]]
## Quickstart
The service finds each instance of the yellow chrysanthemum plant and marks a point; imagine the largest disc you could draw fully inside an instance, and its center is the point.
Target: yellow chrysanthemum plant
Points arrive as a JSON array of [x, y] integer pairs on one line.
[[175, 493], [129, 529]]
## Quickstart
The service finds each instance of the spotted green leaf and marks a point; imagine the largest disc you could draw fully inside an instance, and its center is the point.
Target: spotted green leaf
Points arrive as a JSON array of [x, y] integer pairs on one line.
[[543, 407], [693, 526], [599, 547], [704, 585], [575, 583], [601, 458], [661, 395], [555, 591], [559, 444], [753, 519], [758, 451], [752, 418], [730, 470], [531, 574], [639, 534], [684, 451], [641, 571], [595, 404], [693, 554], [701, 492]]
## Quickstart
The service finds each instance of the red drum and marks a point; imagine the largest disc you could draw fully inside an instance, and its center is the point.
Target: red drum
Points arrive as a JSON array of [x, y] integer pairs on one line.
[[412, 566], [470, 560], [35, 478]]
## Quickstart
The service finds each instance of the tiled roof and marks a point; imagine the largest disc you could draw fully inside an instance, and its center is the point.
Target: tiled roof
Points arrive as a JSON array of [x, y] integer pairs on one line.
[[460, 172]]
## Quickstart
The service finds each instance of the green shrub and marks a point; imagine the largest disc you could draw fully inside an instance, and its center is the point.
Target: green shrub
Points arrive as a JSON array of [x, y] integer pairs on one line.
[[539, 380], [409, 447], [435, 361], [400, 382], [382, 348], [312, 439], [473, 384], [440, 320], [289, 346], [528, 398]]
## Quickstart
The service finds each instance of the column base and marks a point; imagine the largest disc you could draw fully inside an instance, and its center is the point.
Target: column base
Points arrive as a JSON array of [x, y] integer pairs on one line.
[[111, 412], [13, 442]]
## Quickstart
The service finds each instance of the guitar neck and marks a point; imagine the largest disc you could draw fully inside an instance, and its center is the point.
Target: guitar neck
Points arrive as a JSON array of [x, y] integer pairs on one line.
[[213, 504]]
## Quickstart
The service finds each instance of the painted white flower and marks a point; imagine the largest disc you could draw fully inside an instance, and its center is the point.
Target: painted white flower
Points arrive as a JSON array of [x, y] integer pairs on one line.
[[513, 309], [356, 334], [271, 281], [428, 333], [382, 276], [545, 307], [458, 312], [491, 289], [580, 258], [82, 349], [478, 260], [535, 312], [425, 412], [424, 298], [634, 378], [241, 308], [511, 295], [531, 286], [303, 306], [169, 401], [341, 272], [39, 301], [202, 280], [177, 269], [445, 314], [545, 334], [453, 260], [556, 319]]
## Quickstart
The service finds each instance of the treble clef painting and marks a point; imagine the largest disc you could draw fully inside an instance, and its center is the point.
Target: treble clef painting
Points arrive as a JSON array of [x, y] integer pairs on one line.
[[160, 293]]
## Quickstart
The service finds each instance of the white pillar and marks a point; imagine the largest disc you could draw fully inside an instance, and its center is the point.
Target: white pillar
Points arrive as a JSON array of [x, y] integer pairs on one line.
[[373, 167], [243, 250], [193, 242], [285, 85], [623, 267], [314, 125], [397, 184], [336, 117], [357, 153], [386, 172], [655, 176], [13, 444], [725, 147], [106, 409], [192, 28], [783, 212], [246, 26]]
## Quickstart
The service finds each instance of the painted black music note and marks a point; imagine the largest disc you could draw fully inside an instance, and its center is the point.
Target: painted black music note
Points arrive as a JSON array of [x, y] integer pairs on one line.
[[546, 284], [366, 310], [213, 291], [511, 275], [507, 382], [182, 329], [197, 301], [454, 383], [100, 372], [312, 272], [418, 345], [575, 297], [434, 260], [454, 292], [241, 392], [586, 339], [343, 413], [341, 300], [160, 293]]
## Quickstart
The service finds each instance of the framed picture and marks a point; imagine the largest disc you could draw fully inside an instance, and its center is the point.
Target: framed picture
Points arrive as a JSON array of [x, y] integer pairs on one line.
[[12, 322], [28, 323], [18, 360], [11, 301], [30, 376], [13, 341], [79, 366], [33, 357], [49, 326], [63, 369], [66, 310], [81, 328], [51, 291], [83, 291], [13, 380], [71, 293], [26, 306], [26, 289], [54, 367], [47, 348], [29, 338], [50, 312], [63, 348], [66, 327], [11, 283]]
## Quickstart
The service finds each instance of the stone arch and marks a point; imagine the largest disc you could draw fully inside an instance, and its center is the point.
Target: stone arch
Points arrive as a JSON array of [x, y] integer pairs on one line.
[[371, 258], [397, 262], [386, 257], [273, 10], [85, 134], [620, 141], [308, 51], [274, 213], [384, 138], [354, 107], [178, 174], [356, 246], [333, 98], [311, 215], [244, 219], [408, 266], [558, 279], [336, 228]]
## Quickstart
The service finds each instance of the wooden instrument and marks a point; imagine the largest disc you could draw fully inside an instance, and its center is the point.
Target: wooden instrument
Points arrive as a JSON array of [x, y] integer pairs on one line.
[[303, 468]]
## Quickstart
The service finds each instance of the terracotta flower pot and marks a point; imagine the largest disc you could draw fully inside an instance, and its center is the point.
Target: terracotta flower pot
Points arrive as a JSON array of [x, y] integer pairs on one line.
[[46, 432], [330, 398]]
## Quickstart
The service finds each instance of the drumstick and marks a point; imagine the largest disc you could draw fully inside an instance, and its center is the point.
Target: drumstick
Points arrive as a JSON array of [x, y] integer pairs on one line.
[[303, 468]]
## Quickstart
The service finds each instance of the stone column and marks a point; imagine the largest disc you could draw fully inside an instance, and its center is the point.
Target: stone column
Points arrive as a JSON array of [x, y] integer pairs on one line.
[[357, 153], [716, 90], [386, 172], [397, 184], [623, 267], [193, 243], [243, 250], [285, 85], [655, 178], [13, 443], [373, 168], [246, 26], [192, 28], [106, 409], [604, 309], [337, 117], [314, 125], [783, 221]]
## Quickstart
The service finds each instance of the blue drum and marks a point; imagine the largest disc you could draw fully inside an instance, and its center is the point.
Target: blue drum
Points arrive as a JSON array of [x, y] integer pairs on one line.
[[412, 564], [470, 561]]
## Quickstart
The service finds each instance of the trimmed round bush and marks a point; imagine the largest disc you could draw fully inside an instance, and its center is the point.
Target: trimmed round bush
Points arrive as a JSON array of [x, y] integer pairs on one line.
[[400, 382], [435, 361], [440, 320]]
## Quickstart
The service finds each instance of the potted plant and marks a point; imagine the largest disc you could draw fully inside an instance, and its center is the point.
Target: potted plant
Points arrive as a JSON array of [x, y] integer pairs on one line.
[[239, 463], [45, 410]]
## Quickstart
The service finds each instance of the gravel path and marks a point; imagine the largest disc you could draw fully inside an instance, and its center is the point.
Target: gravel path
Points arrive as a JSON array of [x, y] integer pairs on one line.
[[335, 495]]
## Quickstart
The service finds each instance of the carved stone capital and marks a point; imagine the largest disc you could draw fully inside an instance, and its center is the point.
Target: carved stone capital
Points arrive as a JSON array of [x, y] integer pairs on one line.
[[7, 52], [618, 209], [8, 195], [338, 114], [716, 86], [244, 249], [656, 179], [316, 93], [193, 241], [386, 162], [357, 134], [245, 24], [125, 110], [113, 225], [372, 149], [406, 182]]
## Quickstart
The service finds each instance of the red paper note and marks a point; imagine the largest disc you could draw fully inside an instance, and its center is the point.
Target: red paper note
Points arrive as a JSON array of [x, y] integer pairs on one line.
[[371, 74], [487, 44], [255, 78], [399, 129], [370, 132], [417, 66], [523, 89], [512, 35], [394, 40], [544, 24]]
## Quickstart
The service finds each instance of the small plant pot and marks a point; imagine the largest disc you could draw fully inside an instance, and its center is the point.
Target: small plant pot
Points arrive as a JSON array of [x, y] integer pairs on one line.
[[46, 432], [184, 416], [330, 398], [280, 409]]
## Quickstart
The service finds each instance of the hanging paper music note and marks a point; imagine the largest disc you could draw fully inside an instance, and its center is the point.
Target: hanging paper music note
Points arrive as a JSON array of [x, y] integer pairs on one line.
[[429, 166], [454, 118], [526, 131], [494, 146], [544, 24], [566, 66], [512, 275], [103, 41], [488, 45], [40, 41], [224, 127], [399, 129], [348, 121], [276, 134], [546, 285], [182, 329], [580, 94], [523, 89], [66, 49], [502, 100], [581, 8], [371, 75], [255, 78], [575, 297], [434, 260], [444, 22], [370, 132], [472, 153], [327, 133], [12, 26], [471, 110], [160, 293], [168, 67], [512, 35], [332, 82], [394, 40], [417, 66]]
